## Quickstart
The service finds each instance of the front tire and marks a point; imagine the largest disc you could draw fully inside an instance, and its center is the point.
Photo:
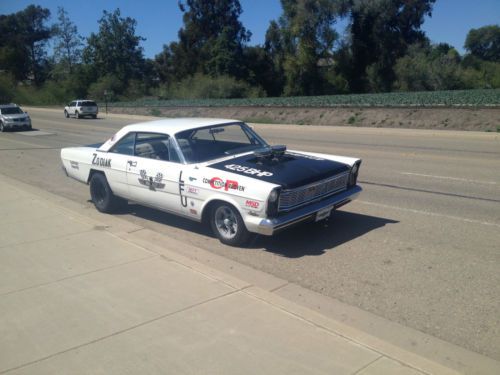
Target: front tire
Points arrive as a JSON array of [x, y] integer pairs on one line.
[[2, 128], [102, 196], [66, 114], [227, 225], [77, 114]]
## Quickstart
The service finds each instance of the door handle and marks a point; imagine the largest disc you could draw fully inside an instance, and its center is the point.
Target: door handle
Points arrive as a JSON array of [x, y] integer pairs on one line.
[[132, 163]]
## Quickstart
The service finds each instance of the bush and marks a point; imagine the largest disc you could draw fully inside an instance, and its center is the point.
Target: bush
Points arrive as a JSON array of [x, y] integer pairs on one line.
[[110, 84], [7, 88], [204, 87]]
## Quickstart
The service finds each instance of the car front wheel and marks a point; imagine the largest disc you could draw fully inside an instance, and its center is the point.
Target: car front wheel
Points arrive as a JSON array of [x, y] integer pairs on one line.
[[66, 114], [102, 196], [227, 224], [2, 128], [77, 114]]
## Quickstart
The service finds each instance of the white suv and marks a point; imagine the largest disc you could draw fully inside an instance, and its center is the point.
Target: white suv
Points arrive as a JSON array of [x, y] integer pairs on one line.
[[81, 108]]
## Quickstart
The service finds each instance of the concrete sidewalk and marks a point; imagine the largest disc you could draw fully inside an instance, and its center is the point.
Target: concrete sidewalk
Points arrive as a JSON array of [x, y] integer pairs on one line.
[[87, 293]]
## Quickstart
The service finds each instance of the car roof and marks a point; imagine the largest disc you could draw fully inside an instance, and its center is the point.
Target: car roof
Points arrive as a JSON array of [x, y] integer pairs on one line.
[[10, 105], [169, 126], [175, 125]]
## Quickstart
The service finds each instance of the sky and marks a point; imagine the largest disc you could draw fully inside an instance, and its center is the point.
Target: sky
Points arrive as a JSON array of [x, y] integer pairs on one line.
[[159, 21]]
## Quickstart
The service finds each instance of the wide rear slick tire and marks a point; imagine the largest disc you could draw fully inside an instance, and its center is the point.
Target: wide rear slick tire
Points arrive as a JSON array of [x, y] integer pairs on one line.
[[102, 196], [228, 225]]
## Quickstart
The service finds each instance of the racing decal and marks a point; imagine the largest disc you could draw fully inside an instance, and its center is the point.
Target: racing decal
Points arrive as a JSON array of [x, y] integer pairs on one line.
[[152, 182], [101, 162], [290, 171], [248, 170], [74, 164], [252, 204], [181, 190], [219, 183]]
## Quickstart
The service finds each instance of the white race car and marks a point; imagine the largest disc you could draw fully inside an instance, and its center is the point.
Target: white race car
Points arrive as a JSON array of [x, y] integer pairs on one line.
[[216, 171]]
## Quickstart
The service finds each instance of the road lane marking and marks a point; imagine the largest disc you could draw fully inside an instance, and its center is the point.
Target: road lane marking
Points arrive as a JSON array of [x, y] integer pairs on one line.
[[428, 213], [450, 178]]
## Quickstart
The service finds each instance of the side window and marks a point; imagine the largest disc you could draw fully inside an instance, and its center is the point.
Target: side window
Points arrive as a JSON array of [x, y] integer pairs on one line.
[[154, 146], [124, 146], [72, 104]]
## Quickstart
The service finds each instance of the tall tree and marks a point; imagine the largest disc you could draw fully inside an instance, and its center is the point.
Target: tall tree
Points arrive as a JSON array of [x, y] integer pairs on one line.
[[115, 50], [211, 40], [24, 36], [301, 44], [68, 47], [484, 43], [380, 33]]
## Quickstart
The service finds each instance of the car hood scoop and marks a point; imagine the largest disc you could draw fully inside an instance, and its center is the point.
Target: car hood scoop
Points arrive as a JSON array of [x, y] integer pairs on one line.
[[288, 169]]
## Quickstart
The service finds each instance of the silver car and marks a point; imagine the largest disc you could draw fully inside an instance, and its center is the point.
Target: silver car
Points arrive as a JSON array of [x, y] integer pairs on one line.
[[13, 117], [81, 108]]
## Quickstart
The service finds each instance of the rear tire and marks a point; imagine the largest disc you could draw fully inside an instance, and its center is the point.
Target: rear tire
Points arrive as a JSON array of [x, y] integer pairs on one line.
[[77, 114], [2, 128], [66, 114], [94, 116], [102, 196], [228, 225]]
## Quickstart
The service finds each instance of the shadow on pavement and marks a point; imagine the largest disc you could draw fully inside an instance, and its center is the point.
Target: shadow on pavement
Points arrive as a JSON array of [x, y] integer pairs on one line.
[[317, 238], [303, 240]]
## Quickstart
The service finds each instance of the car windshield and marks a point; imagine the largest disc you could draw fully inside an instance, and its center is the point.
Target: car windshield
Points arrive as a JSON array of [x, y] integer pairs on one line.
[[213, 142], [11, 111]]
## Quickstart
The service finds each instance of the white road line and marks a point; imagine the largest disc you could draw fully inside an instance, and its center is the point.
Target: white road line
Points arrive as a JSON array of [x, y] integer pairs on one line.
[[428, 213], [450, 178]]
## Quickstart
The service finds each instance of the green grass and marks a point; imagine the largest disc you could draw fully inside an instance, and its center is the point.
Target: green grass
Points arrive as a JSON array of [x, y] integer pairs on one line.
[[461, 98]]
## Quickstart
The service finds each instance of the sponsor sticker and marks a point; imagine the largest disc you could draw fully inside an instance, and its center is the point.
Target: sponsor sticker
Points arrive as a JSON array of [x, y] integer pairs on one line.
[[252, 204], [219, 183], [193, 190], [248, 170]]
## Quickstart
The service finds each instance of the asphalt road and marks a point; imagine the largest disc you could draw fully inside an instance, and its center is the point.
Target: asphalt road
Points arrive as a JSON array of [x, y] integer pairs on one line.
[[420, 247]]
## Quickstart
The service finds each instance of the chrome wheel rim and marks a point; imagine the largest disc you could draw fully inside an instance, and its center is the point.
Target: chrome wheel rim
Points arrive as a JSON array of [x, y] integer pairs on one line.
[[226, 222]]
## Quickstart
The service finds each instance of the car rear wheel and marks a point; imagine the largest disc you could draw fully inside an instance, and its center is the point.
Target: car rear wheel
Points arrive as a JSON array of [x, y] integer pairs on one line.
[[94, 116], [77, 114], [102, 196], [2, 128], [227, 224], [66, 114]]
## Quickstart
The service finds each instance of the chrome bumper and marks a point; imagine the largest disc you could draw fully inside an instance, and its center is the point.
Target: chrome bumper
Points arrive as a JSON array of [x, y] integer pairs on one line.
[[268, 227]]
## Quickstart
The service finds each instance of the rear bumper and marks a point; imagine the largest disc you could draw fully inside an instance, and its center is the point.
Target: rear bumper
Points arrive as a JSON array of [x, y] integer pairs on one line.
[[268, 227]]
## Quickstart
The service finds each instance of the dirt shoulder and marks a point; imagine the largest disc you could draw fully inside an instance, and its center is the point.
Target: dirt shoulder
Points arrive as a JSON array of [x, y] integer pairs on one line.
[[477, 119]]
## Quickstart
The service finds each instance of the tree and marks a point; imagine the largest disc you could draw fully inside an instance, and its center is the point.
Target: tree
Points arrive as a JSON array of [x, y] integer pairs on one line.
[[22, 44], [115, 49], [484, 43], [380, 33], [302, 42], [211, 40], [68, 47]]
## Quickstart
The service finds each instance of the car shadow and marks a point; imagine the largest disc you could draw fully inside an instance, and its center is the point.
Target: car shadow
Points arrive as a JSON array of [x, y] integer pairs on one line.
[[313, 238], [308, 239]]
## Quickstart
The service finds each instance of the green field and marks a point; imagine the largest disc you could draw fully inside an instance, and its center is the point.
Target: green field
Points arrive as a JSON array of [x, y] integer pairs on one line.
[[459, 98]]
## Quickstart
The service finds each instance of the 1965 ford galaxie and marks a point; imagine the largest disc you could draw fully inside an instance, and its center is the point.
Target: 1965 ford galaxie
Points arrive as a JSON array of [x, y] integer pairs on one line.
[[213, 170]]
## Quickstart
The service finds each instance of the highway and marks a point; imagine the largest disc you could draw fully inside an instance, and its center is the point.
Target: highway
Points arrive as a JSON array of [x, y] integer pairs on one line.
[[421, 246]]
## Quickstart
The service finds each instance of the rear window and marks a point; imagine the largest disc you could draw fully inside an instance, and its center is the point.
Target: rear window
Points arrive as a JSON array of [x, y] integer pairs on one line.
[[88, 103]]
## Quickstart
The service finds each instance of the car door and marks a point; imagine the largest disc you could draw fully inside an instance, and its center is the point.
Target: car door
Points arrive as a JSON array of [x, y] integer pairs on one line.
[[71, 108], [119, 156], [154, 173]]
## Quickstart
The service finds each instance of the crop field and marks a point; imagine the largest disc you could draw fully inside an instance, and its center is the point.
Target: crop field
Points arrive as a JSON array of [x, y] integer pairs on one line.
[[459, 98]]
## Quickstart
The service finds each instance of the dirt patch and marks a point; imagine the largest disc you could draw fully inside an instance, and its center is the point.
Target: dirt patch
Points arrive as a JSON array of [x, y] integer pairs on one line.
[[477, 119]]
